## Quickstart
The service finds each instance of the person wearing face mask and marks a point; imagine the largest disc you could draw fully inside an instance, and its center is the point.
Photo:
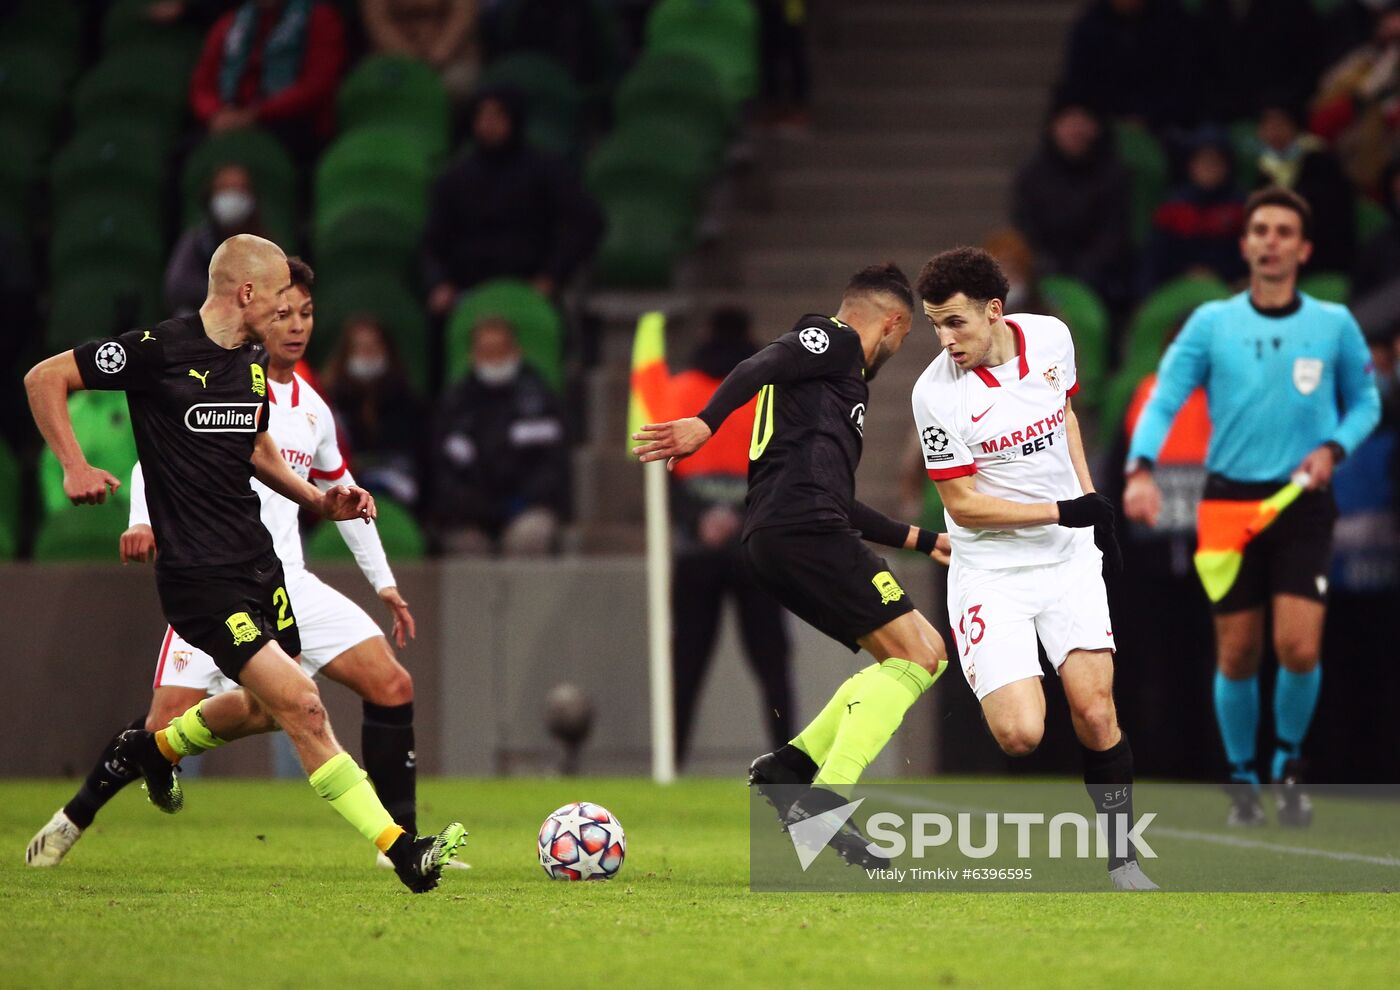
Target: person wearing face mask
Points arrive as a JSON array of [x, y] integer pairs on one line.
[[232, 208], [1293, 159], [500, 454], [379, 414]]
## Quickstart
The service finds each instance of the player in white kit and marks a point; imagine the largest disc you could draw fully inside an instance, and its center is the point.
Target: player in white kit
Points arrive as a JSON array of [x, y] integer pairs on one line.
[[338, 638], [1000, 440]]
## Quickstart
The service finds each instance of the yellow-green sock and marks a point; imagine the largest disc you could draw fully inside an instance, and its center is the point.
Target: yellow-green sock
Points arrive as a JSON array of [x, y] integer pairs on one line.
[[873, 712], [341, 782], [816, 739], [187, 735]]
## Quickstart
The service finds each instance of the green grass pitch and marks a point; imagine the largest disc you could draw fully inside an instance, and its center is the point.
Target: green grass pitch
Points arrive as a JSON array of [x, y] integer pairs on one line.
[[259, 885]]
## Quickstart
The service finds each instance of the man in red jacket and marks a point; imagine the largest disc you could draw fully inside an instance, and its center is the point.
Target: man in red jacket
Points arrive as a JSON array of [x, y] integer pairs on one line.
[[274, 63]]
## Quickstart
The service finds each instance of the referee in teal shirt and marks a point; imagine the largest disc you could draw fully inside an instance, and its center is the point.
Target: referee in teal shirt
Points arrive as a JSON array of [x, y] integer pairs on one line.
[[1289, 385]]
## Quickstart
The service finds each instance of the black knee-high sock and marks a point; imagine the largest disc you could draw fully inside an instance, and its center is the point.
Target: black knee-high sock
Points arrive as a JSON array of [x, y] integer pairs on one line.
[[386, 742], [1108, 777], [104, 780]]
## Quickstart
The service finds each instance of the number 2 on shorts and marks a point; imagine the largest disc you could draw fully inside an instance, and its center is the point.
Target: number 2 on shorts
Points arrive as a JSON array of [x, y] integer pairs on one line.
[[284, 606]]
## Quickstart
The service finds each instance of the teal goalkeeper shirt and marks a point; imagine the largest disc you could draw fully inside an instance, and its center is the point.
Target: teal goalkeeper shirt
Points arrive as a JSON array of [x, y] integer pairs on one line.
[[1279, 384]]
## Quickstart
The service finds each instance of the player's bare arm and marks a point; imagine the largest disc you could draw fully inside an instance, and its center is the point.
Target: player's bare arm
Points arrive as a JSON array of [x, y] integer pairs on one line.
[[338, 503], [974, 510], [1076, 448], [138, 544], [48, 384], [404, 626], [674, 440]]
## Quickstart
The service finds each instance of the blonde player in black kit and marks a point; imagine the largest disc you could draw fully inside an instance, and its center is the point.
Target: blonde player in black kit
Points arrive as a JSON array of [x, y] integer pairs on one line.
[[197, 388], [803, 532]]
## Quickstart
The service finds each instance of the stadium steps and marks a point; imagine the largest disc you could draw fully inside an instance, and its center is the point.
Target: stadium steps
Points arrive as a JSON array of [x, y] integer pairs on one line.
[[922, 113]]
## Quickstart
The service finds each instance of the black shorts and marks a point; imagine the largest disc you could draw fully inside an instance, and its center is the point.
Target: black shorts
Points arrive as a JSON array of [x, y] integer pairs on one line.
[[230, 611], [1291, 557], [829, 578]]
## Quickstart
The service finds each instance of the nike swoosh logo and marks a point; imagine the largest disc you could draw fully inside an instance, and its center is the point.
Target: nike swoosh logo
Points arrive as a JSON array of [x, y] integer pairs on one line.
[[982, 413]]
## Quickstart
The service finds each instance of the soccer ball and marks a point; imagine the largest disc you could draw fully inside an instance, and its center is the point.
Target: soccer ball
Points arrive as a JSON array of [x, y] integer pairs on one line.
[[582, 841]]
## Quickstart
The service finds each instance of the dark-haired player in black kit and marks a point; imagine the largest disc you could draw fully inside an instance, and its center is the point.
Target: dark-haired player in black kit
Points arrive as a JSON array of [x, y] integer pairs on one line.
[[803, 532], [197, 387]]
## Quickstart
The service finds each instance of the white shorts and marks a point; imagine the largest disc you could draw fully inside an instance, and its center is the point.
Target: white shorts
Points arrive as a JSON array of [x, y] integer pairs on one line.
[[998, 614], [330, 625]]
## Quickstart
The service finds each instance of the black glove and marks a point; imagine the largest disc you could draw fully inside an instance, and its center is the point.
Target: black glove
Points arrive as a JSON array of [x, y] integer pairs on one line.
[[1085, 511], [1106, 539]]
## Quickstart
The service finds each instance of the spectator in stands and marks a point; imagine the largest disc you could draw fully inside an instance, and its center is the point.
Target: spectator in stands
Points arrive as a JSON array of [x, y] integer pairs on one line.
[[707, 499], [232, 208], [1071, 203], [1126, 59], [1196, 231], [1379, 260], [1302, 162], [1358, 103], [1247, 45], [783, 58], [380, 417], [500, 454], [273, 63], [505, 210], [1013, 253], [439, 32]]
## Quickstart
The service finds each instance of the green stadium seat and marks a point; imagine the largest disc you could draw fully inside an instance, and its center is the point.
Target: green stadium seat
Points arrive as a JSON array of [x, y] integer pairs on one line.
[[107, 229], [81, 533], [1082, 309], [1371, 219], [373, 166], [1145, 160], [126, 26], [398, 91], [398, 531], [723, 33], [101, 301], [21, 168], [678, 87], [538, 327], [653, 153], [554, 103], [1328, 286], [615, 173], [382, 237], [604, 34], [645, 238], [111, 160], [383, 297], [274, 173], [102, 424], [1160, 313], [33, 90], [141, 83], [9, 497]]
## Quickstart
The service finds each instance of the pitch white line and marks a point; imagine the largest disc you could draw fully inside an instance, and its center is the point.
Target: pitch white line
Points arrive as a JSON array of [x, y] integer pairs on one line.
[[1175, 833]]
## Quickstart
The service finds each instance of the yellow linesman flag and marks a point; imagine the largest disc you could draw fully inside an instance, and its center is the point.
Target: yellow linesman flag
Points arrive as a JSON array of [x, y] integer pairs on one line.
[[651, 380], [1224, 528]]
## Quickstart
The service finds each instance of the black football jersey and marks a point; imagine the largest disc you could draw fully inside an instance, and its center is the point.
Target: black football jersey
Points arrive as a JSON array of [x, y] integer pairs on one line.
[[809, 427], [196, 410]]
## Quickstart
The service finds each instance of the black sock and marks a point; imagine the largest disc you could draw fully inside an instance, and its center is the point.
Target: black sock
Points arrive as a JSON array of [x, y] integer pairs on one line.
[[104, 780], [1108, 777], [796, 761], [386, 742]]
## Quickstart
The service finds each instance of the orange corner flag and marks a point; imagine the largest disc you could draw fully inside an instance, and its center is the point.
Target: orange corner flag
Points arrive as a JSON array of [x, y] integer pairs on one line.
[[1224, 528], [651, 379]]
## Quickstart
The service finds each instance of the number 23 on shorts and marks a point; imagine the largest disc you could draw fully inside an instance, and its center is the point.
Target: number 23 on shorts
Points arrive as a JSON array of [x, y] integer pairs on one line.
[[284, 609], [971, 628]]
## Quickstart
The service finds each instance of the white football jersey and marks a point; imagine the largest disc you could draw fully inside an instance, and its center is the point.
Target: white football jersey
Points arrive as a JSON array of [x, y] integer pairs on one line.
[[304, 427], [1005, 426]]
